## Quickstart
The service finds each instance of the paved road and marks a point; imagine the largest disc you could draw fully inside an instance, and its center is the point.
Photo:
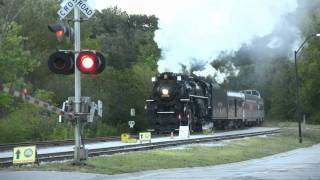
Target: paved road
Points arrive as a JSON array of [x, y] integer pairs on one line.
[[297, 164]]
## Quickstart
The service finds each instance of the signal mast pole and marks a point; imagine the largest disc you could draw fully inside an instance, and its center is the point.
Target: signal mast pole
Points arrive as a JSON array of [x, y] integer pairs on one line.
[[77, 90], [89, 62]]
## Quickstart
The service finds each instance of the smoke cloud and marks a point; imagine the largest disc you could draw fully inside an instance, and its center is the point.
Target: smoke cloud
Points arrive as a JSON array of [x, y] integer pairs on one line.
[[202, 30], [192, 29], [285, 37]]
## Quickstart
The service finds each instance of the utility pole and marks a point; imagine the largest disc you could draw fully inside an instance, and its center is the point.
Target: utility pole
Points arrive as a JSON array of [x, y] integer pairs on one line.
[[298, 111]]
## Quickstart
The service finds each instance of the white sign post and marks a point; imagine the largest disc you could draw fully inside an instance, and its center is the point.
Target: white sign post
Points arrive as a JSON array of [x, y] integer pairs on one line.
[[184, 132]]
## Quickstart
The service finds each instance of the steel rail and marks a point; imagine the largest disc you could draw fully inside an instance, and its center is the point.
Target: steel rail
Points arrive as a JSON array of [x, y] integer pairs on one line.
[[6, 162], [10, 146]]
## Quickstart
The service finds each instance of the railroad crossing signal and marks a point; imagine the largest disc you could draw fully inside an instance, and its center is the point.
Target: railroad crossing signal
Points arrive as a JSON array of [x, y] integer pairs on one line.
[[68, 5], [91, 62], [61, 31], [61, 62], [88, 62]]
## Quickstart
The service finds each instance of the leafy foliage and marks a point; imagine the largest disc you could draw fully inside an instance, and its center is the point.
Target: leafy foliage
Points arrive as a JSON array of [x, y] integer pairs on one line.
[[126, 39], [25, 44], [122, 90], [309, 65], [15, 61]]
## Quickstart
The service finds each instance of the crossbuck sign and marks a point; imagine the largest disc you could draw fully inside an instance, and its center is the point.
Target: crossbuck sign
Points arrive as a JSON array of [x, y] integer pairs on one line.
[[68, 5]]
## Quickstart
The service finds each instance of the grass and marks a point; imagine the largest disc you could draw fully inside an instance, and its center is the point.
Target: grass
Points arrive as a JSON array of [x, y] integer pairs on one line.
[[232, 151]]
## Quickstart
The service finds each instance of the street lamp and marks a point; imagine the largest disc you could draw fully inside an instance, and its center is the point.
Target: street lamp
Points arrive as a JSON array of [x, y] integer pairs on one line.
[[298, 111]]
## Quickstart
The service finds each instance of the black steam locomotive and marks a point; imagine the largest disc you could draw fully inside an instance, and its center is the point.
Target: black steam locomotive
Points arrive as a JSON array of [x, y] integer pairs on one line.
[[182, 100]]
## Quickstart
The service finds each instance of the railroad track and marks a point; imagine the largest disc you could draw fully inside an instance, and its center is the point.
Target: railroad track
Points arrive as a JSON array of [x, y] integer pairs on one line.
[[5, 162], [6, 147]]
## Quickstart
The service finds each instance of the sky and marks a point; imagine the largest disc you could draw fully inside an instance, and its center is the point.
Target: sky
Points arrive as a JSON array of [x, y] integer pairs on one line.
[[201, 29]]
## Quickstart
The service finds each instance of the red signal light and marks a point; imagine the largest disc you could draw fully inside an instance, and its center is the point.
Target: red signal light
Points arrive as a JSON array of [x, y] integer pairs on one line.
[[90, 62], [87, 62], [60, 33]]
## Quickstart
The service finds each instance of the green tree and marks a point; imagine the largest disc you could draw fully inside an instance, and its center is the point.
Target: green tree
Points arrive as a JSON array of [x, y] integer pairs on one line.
[[309, 74], [29, 122], [126, 39], [121, 90], [281, 89], [309, 64], [15, 61]]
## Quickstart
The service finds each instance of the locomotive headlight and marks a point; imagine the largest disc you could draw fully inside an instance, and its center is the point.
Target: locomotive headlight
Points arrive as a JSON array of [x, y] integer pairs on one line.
[[165, 91], [153, 79], [178, 78]]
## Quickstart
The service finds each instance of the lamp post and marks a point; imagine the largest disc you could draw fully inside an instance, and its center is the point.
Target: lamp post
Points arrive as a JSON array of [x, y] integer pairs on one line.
[[298, 110]]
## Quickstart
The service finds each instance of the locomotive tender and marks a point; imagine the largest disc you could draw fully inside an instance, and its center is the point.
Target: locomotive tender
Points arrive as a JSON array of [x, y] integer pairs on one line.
[[182, 100]]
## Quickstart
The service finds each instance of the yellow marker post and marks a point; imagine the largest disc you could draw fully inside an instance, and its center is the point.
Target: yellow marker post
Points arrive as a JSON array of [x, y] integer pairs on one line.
[[126, 138], [145, 136], [26, 154]]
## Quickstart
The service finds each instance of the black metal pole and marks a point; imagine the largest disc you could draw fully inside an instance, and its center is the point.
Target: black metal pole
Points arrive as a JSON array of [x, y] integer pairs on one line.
[[297, 95], [298, 107]]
